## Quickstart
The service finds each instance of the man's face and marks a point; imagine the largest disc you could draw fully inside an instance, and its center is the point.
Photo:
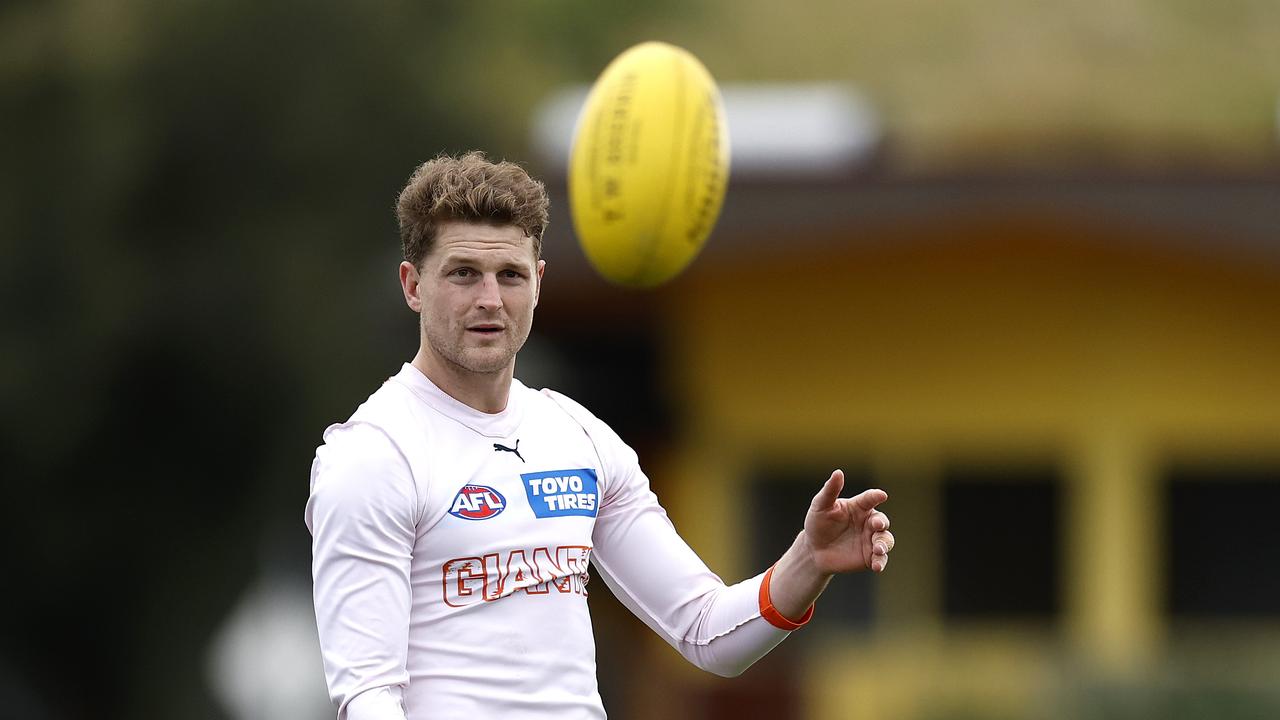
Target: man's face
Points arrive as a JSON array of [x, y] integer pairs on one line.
[[475, 293]]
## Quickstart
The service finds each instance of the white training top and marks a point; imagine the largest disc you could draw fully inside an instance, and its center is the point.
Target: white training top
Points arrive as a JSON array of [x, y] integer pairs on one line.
[[451, 553]]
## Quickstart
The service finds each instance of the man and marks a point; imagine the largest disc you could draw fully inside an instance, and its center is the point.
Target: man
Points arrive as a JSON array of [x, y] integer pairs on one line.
[[455, 514]]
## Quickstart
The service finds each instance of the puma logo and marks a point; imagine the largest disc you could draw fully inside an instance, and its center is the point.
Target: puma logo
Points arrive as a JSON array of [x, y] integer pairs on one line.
[[498, 447]]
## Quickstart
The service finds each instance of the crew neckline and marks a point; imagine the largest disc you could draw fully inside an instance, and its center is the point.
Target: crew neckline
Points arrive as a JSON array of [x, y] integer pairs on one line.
[[500, 424]]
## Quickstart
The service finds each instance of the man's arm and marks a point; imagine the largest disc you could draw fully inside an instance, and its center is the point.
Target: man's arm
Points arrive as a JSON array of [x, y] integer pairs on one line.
[[361, 517], [655, 574], [720, 628], [725, 628]]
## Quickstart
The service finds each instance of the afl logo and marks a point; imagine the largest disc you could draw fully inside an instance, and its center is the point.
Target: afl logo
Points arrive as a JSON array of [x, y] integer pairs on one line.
[[477, 502]]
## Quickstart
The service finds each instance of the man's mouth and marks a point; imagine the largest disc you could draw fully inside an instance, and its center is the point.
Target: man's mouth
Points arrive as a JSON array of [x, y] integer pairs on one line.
[[486, 328]]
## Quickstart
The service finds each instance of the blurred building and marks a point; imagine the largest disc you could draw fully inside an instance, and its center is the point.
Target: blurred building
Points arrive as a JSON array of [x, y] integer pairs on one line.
[[1070, 387]]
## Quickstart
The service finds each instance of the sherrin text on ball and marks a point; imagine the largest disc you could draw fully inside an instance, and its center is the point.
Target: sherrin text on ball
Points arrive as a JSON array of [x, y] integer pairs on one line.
[[649, 165]]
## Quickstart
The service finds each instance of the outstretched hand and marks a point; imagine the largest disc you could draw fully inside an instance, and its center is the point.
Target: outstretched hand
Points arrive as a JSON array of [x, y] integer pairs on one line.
[[847, 534]]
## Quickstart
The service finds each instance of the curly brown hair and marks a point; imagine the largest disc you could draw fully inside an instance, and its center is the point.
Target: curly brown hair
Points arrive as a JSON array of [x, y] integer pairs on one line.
[[469, 188]]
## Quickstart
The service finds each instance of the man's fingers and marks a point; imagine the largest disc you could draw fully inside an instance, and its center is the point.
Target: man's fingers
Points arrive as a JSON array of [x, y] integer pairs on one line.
[[882, 543], [878, 521], [878, 562], [869, 499], [826, 497]]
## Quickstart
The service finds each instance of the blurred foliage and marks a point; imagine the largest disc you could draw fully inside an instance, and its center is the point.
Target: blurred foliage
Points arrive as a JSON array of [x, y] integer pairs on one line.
[[198, 265], [1148, 84], [1133, 703], [1196, 702]]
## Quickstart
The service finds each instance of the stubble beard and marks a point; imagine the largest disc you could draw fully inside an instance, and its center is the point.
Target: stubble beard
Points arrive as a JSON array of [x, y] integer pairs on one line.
[[471, 360]]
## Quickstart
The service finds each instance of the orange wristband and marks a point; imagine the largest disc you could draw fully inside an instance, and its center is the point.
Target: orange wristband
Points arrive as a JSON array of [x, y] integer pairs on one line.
[[770, 613]]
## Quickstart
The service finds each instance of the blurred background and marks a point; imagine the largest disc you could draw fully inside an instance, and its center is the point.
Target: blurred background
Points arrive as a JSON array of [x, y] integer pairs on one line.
[[1018, 263]]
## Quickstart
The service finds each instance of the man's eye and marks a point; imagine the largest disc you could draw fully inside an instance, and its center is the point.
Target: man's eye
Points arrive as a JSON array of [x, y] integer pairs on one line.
[[462, 272], [511, 274]]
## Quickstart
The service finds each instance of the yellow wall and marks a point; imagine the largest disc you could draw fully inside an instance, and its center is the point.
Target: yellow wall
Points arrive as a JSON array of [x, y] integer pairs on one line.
[[1028, 336]]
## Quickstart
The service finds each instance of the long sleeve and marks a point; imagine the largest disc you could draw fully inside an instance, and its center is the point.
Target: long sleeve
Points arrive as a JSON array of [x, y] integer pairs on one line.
[[361, 514], [651, 569], [654, 573]]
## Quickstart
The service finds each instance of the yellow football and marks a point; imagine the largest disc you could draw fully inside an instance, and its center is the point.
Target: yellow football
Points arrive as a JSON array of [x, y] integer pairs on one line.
[[649, 165]]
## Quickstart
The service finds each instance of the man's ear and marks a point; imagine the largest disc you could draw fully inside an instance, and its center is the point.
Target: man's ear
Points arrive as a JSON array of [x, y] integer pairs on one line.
[[537, 290], [410, 283]]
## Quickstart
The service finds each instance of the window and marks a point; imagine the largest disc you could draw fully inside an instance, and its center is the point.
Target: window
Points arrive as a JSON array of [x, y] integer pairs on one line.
[[1222, 540], [614, 373], [1000, 541]]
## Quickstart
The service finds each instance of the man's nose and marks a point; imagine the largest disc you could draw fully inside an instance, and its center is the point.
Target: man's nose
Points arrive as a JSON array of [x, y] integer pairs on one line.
[[490, 297]]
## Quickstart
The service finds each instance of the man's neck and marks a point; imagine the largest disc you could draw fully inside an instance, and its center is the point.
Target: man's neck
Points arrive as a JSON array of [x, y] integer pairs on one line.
[[486, 392]]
